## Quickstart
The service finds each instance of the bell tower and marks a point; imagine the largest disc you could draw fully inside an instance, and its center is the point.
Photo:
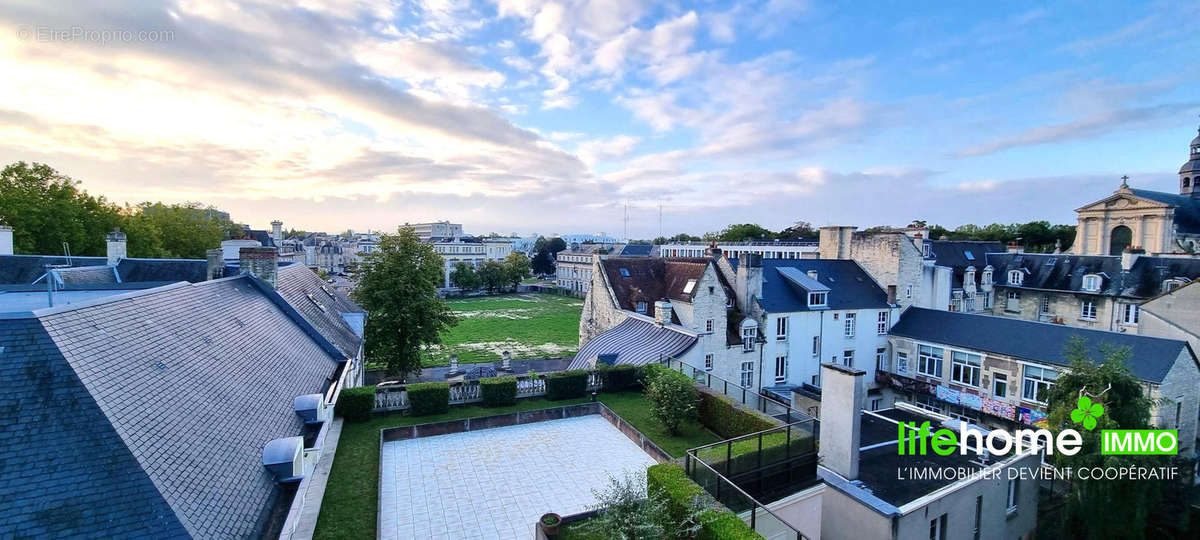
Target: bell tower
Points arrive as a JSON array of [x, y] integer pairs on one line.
[[1189, 173]]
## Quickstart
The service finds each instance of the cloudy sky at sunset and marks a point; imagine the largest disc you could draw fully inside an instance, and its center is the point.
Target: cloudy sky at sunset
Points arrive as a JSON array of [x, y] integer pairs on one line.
[[550, 116]]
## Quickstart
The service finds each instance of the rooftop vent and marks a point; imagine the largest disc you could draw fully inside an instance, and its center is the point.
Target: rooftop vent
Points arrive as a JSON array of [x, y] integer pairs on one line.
[[311, 408], [285, 458]]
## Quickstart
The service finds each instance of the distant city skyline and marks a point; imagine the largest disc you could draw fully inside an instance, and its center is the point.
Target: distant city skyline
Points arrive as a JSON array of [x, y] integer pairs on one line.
[[529, 115]]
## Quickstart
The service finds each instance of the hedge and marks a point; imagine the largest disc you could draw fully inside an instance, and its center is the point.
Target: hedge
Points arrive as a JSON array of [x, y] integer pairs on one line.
[[728, 420], [355, 404], [654, 370], [717, 522], [566, 384], [428, 398], [498, 391], [619, 377]]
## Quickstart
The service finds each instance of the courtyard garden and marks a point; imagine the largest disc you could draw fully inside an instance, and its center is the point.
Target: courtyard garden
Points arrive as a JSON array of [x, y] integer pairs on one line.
[[529, 325]]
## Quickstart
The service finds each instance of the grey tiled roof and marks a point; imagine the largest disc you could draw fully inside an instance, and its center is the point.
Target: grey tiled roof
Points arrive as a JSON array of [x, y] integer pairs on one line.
[[193, 270], [320, 304], [1062, 272], [24, 269], [86, 276], [183, 384], [959, 254], [635, 341], [850, 286], [1187, 209]]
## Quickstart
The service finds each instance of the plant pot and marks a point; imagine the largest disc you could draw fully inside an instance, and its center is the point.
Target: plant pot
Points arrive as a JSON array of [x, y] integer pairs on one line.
[[550, 523]]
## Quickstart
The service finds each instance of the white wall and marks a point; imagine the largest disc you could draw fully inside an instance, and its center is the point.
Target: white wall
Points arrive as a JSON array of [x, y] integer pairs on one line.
[[803, 326]]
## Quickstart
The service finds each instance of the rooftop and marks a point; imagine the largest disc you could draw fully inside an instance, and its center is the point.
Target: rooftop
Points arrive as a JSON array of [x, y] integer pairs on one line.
[[787, 282], [635, 341]]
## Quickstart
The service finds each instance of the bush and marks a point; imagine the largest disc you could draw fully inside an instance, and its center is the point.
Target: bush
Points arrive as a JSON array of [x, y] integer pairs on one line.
[[355, 404], [672, 401], [683, 496], [619, 377], [652, 371], [498, 391], [728, 420], [428, 398], [566, 384]]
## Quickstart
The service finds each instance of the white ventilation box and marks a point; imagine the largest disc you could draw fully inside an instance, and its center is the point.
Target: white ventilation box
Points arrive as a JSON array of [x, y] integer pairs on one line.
[[311, 408], [285, 458]]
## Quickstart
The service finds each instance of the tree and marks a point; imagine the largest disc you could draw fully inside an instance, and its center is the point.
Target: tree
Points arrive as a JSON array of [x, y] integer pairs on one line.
[[742, 232], [800, 230], [185, 231], [397, 285], [543, 260], [46, 208], [464, 277], [624, 510], [492, 276], [516, 268], [1109, 384], [673, 399]]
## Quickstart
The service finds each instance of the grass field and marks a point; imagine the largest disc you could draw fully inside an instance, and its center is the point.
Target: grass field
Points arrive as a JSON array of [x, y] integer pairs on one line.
[[526, 325]]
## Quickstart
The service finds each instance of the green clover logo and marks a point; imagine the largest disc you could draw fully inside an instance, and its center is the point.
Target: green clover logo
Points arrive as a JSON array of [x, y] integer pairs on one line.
[[1087, 413]]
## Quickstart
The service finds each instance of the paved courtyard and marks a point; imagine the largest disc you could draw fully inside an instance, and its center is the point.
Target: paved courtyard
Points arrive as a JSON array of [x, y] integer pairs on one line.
[[496, 483]]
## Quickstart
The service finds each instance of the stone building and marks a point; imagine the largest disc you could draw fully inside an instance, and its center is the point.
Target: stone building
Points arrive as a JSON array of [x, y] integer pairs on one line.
[[436, 229], [573, 266], [966, 260], [1174, 314], [899, 258], [765, 249], [1152, 220]]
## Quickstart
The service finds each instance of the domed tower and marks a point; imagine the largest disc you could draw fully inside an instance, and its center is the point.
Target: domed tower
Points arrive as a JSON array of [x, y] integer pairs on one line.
[[1189, 173]]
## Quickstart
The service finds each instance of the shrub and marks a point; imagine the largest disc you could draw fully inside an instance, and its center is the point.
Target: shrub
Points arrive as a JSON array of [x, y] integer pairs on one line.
[[428, 398], [652, 371], [498, 391], [619, 377], [355, 404], [684, 496], [566, 384], [728, 420], [672, 401]]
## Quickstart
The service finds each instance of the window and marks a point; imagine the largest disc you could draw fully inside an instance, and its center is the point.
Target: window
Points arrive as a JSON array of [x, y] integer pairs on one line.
[[965, 368], [876, 403], [851, 325], [816, 381], [848, 358], [624, 272], [929, 361], [901, 362], [817, 299], [987, 275], [882, 327], [691, 286], [1014, 488], [1044, 306], [1129, 313], [708, 326], [881, 359], [748, 336], [641, 307], [1014, 302], [1036, 383], [712, 290], [1087, 310], [816, 346], [987, 301], [1091, 282], [1015, 277], [908, 291], [937, 528], [1000, 385], [747, 374], [708, 362], [781, 328], [780, 369]]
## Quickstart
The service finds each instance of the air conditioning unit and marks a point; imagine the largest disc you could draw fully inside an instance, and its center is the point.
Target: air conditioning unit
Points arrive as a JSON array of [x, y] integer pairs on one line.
[[311, 408], [285, 458]]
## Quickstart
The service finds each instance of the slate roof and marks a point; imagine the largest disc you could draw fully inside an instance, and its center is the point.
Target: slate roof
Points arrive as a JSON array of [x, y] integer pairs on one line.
[[850, 286], [24, 269], [635, 341], [193, 270], [145, 414], [1060, 272], [637, 250], [653, 278], [296, 284], [1187, 209], [263, 236], [1150, 358], [86, 276], [958, 255]]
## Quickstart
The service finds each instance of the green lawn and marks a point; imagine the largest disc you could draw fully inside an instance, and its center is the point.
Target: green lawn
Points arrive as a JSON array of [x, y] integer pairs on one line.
[[526, 325], [633, 407]]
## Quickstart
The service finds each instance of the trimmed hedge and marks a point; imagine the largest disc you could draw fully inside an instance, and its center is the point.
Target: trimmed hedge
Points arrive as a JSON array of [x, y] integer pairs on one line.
[[355, 404], [498, 391], [717, 522], [566, 384], [728, 420], [619, 377], [428, 398]]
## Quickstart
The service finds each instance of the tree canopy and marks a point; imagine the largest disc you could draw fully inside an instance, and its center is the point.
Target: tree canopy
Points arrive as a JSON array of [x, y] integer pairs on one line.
[[1035, 236]]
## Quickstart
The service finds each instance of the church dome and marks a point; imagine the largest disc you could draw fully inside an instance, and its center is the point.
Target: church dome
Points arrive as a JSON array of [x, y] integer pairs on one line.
[[1193, 163]]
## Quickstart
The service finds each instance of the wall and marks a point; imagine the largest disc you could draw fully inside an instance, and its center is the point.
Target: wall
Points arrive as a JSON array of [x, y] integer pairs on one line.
[[844, 518], [800, 510], [1179, 386], [803, 326], [600, 310], [1173, 316], [959, 507], [1151, 225], [1062, 304], [891, 258]]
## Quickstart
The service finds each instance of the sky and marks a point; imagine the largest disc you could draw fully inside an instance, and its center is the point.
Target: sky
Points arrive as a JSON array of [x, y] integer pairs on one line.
[[561, 116]]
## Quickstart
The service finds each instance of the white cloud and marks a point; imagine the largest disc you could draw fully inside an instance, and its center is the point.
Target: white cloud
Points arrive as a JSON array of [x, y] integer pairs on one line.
[[595, 151]]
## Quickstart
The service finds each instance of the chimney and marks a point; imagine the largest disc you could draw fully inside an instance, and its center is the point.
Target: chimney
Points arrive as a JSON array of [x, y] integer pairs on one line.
[[662, 312], [6, 240], [834, 242], [1013, 247], [277, 231], [842, 393], [748, 281], [713, 251], [891, 294], [116, 246], [1130, 256], [216, 263], [260, 262]]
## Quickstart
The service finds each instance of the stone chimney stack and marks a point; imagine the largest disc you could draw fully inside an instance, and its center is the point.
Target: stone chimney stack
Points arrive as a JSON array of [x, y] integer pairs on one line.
[[277, 232], [260, 262], [1014, 248], [216, 263], [713, 251], [748, 281], [6, 240], [969, 279], [115, 242], [842, 393], [662, 312], [891, 294], [1130, 256], [834, 242]]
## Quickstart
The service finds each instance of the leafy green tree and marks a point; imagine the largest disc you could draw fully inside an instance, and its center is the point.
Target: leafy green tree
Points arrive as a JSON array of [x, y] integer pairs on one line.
[[397, 285], [464, 277], [742, 232], [492, 276], [46, 208], [673, 400], [186, 230], [625, 511], [800, 230], [516, 268]]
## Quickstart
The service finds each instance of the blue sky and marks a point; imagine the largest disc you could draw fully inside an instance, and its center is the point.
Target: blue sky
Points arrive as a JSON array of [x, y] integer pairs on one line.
[[551, 116]]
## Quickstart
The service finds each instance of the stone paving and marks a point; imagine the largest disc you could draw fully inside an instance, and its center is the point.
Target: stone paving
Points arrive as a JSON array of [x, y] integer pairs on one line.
[[496, 483]]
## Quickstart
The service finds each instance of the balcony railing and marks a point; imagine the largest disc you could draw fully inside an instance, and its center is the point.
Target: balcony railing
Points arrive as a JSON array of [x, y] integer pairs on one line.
[[769, 465], [394, 397], [746, 396], [758, 516]]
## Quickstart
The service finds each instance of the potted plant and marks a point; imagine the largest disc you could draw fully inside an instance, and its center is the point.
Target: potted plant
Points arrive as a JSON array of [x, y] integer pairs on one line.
[[550, 523]]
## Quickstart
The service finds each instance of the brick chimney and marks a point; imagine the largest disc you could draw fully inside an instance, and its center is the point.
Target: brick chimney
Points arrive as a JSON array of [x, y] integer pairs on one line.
[[115, 242], [713, 251], [260, 262], [6, 240], [834, 242], [277, 232], [842, 393], [216, 263], [1014, 247], [748, 281], [662, 312], [1130, 256]]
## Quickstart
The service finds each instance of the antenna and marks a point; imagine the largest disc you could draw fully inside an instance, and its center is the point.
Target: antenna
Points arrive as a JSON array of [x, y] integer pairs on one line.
[[660, 231], [626, 221]]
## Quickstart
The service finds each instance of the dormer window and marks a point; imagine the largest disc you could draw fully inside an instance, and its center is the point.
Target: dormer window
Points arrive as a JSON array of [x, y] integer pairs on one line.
[[812, 274], [1015, 277], [691, 286], [818, 299], [624, 272], [641, 307], [1172, 284], [987, 275], [1091, 282]]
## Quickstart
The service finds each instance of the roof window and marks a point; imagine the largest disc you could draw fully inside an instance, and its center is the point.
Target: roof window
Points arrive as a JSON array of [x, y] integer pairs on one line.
[[624, 272], [691, 286]]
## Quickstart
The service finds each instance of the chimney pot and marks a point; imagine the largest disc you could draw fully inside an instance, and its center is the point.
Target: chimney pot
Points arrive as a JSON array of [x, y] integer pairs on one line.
[[115, 244], [6, 240], [1014, 247], [842, 390], [662, 312], [260, 262], [216, 263]]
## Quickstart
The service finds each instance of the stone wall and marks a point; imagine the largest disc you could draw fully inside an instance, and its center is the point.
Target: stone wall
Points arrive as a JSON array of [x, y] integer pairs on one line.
[[1179, 389], [600, 309], [891, 258], [1066, 305]]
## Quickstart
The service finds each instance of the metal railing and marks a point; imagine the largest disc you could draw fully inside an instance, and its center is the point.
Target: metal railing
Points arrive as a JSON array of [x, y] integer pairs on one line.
[[758, 516], [394, 397], [801, 243], [769, 464], [738, 393]]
